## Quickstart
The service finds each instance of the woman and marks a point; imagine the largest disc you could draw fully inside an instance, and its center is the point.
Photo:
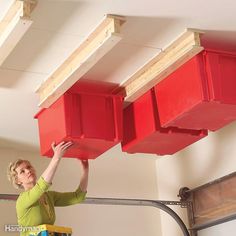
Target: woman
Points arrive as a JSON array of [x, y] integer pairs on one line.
[[35, 205]]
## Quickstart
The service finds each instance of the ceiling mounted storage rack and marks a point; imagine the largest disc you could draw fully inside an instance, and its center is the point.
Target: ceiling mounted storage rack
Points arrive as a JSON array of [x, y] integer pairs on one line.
[[93, 121], [143, 133], [200, 94]]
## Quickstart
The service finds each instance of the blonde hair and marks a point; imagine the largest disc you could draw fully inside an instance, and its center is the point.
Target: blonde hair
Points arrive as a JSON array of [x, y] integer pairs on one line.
[[12, 174]]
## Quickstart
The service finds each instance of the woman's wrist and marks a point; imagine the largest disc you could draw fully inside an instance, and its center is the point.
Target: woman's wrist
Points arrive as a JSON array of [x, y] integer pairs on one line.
[[56, 158]]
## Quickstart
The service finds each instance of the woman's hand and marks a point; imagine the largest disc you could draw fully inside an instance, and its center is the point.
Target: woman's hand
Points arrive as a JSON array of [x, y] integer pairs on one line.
[[60, 149]]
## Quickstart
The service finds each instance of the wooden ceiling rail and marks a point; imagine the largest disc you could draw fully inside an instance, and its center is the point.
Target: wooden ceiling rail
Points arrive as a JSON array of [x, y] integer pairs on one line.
[[29, 6], [14, 25], [96, 45], [164, 63]]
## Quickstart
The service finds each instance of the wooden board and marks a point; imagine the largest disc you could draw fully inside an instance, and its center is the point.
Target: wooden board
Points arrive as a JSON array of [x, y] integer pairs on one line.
[[164, 63], [213, 203], [97, 44]]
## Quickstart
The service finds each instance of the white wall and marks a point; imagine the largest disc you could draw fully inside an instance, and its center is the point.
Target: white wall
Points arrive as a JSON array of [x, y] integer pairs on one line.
[[114, 174], [228, 228], [206, 160]]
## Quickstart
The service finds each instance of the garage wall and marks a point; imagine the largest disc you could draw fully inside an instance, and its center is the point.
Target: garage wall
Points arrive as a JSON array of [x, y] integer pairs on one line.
[[227, 228], [114, 174], [204, 161]]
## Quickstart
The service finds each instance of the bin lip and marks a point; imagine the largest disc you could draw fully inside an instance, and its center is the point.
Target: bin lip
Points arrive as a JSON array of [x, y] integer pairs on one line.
[[96, 94], [36, 116], [212, 50]]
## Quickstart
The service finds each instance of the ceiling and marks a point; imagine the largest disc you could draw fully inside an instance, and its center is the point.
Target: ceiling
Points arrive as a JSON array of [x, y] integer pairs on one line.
[[59, 26]]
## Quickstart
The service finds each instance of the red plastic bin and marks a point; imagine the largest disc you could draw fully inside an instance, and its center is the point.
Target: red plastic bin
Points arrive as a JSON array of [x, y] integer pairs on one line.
[[201, 94], [92, 121], [143, 133]]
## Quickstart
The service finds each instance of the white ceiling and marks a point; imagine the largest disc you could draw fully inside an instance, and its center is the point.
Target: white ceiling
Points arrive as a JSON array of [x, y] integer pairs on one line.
[[60, 26]]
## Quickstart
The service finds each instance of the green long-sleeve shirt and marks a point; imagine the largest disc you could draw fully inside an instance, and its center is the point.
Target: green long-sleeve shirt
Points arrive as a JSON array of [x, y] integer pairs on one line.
[[36, 206]]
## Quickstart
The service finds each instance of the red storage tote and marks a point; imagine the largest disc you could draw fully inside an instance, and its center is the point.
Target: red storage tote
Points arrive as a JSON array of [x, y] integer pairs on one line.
[[201, 94], [143, 133], [92, 121]]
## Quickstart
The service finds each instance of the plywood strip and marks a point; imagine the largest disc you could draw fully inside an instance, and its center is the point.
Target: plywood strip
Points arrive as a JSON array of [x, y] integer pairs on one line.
[[97, 44]]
